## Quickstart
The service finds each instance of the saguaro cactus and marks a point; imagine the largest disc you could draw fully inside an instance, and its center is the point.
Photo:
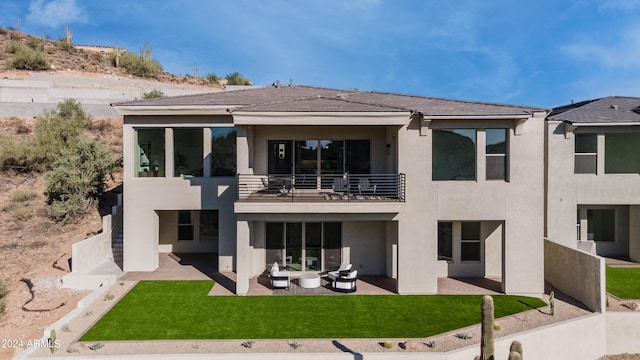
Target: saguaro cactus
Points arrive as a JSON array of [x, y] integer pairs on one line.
[[552, 304], [486, 341]]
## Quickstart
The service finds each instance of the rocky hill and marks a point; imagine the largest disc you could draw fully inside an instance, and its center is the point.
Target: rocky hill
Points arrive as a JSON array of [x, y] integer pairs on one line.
[[86, 76]]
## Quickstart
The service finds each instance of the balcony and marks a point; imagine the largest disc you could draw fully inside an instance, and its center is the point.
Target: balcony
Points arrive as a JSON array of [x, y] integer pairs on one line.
[[322, 188]]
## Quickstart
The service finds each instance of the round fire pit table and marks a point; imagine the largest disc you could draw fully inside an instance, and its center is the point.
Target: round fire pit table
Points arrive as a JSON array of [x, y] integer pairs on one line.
[[309, 281]]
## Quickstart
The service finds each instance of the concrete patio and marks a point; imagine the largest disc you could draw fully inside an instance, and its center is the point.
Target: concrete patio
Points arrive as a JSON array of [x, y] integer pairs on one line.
[[204, 266]]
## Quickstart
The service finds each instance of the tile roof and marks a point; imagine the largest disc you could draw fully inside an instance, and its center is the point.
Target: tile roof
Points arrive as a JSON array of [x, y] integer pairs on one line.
[[613, 109], [300, 98]]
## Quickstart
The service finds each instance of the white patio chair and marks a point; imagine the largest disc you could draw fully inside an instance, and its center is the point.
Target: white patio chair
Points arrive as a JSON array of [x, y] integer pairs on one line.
[[365, 185], [279, 278], [344, 269], [346, 281]]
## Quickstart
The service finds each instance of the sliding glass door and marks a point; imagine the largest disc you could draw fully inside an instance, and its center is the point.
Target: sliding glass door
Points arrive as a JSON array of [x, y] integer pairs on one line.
[[312, 160], [310, 246]]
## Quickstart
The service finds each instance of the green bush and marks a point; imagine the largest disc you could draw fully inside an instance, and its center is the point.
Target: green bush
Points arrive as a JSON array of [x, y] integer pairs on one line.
[[3, 294], [77, 178], [63, 44], [35, 44], [237, 79], [26, 58], [139, 65], [14, 47], [20, 196], [55, 131], [212, 78], [153, 94]]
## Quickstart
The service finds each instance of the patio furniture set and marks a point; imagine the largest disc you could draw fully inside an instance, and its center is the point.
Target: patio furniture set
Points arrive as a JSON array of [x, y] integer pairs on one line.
[[341, 280]]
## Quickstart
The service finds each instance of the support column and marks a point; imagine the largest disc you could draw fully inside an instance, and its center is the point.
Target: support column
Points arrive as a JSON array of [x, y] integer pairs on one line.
[[600, 155], [206, 152], [634, 233], [584, 224], [168, 152], [243, 261]]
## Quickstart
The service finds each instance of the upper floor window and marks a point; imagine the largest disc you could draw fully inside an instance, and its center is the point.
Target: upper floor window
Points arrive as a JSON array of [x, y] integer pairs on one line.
[[622, 153], [187, 152], [454, 154], [223, 151], [496, 154], [149, 155], [586, 153]]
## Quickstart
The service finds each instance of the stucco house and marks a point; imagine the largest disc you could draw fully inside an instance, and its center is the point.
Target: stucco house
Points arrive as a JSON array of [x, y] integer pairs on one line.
[[592, 182], [409, 187]]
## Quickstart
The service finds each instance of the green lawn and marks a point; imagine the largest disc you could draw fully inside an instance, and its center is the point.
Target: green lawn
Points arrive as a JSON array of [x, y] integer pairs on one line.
[[624, 282], [155, 310]]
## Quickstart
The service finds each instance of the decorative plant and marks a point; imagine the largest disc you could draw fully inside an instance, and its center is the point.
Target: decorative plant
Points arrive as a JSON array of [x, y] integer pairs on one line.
[[295, 345], [486, 341], [463, 336], [248, 344], [52, 341], [497, 326], [552, 303], [515, 350], [387, 344], [430, 344], [95, 346]]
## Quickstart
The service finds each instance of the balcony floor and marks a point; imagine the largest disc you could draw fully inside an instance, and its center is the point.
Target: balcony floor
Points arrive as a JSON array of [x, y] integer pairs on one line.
[[315, 196]]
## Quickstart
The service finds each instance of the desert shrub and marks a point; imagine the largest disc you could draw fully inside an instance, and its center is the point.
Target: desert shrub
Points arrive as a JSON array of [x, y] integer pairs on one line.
[[55, 131], [77, 179], [153, 94], [20, 196], [237, 79], [14, 47], [64, 45], [212, 78], [19, 211], [35, 44], [139, 65], [3, 293], [26, 58]]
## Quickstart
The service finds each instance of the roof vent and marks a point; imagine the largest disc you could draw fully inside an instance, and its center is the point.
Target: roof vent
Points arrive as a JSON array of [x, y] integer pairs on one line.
[[276, 84], [614, 107]]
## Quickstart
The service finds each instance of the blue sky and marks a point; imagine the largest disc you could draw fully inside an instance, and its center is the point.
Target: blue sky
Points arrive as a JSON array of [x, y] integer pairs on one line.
[[542, 53]]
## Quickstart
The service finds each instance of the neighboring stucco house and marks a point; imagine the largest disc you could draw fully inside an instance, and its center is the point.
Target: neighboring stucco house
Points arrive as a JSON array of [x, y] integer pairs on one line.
[[593, 176], [409, 187]]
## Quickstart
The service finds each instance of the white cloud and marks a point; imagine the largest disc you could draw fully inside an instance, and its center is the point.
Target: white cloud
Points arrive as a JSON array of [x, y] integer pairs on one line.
[[621, 52], [55, 13]]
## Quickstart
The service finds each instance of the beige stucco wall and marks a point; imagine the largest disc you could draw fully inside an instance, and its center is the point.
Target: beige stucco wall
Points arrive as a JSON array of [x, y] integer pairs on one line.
[[623, 332], [576, 273], [144, 197], [566, 191]]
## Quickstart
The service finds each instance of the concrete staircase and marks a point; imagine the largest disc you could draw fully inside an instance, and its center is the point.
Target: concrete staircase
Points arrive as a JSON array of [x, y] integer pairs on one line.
[[117, 249]]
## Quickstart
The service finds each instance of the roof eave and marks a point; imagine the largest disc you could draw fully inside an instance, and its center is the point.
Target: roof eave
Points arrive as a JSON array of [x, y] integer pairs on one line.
[[172, 109], [321, 118]]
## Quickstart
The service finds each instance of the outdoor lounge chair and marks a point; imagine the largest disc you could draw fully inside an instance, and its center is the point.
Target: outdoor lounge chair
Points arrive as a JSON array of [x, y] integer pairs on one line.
[[341, 184], [364, 185], [332, 275], [346, 281], [279, 279]]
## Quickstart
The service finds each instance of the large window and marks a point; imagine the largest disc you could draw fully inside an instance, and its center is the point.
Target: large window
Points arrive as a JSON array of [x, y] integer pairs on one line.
[[470, 241], [223, 151], [601, 224], [454, 154], [496, 154], [622, 153], [185, 225], [445, 241], [586, 153], [187, 152], [149, 156], [311, 246]]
